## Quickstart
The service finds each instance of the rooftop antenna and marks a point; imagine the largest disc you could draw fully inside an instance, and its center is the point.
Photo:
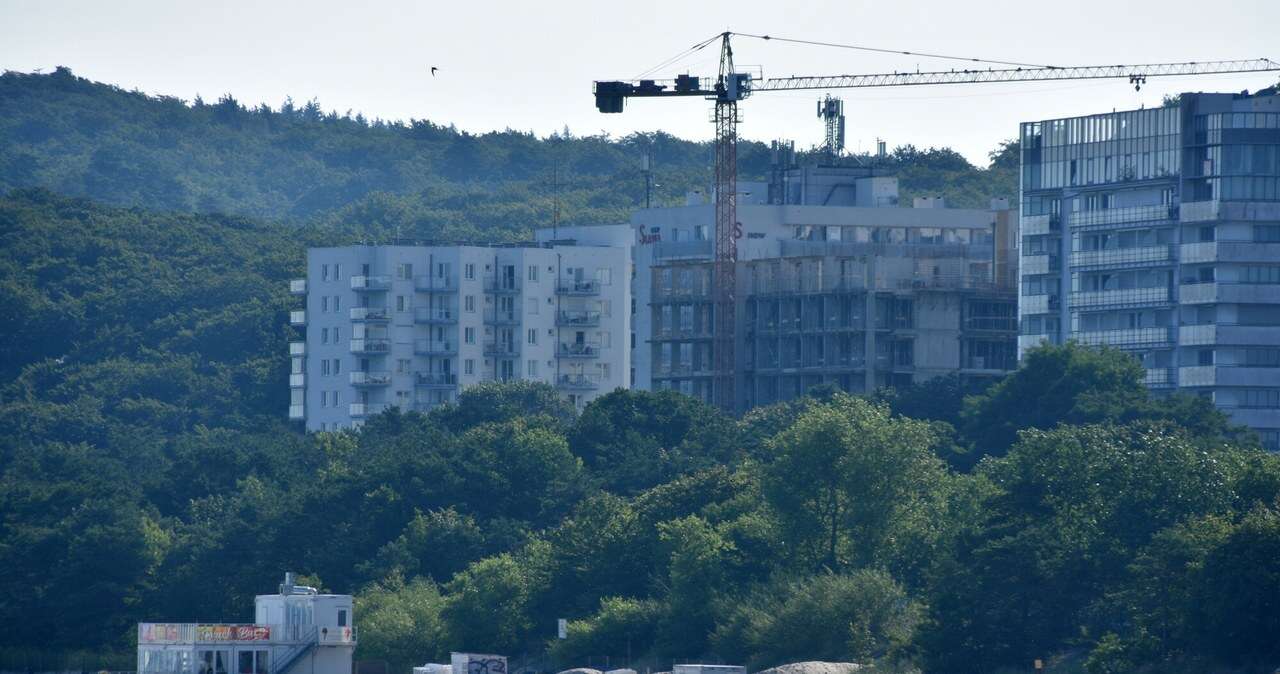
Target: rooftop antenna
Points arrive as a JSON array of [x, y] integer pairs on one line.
[[831, 111], [646, 167]]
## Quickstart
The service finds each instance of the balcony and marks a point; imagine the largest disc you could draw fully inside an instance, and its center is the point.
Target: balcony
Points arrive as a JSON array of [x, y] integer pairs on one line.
[[431, 347], [578, 382], [297, 348], [1234, 293], [578, 319], [502, 286], [370, 283], [1127, 257], [1228, 375], [298, 318], [578, 350], [297, 380], [370, 314], [577, 287], [298, 286], [358, 410], [1129, 337], [434, 284], [371, 345], [502, 349], [432, 316], [359, 378], [501, 317], [1037, 224], [1035, 264], [1228, 334], [297, 412], [1111, 217], [1164, 377], [1120, 298], [436, 379]]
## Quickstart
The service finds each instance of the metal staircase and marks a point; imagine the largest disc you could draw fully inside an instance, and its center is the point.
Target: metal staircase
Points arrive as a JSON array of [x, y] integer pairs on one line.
[[308, 637]]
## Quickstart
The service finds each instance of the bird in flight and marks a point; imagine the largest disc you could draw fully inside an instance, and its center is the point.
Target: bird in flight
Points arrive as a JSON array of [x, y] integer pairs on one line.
[[433, 71]]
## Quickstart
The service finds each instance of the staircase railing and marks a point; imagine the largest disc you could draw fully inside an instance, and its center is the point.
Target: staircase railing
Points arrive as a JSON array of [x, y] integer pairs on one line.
[[307, 639]]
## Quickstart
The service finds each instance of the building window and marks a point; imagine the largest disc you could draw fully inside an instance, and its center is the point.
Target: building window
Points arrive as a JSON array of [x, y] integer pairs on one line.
[[324, 335], [469, 271], [400, 303], [324, 396], [336, 398], [605, 276], [337, 366], [533, 336], [404, 271], [533, 272], [337, 272], [337, 303], [324, 272], [1204, 357], [469, 335], [337, 335], [468, 367], [324, 303], [606, 308], [533, 306], [403, 365], [469, 301], [324, 366], [532, 368]]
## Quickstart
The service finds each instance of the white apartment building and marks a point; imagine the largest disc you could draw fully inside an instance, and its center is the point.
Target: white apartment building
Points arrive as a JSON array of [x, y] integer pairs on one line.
[[411, 325]]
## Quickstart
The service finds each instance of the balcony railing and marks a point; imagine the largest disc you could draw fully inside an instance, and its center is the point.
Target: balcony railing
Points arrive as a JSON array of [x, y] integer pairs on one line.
[[297, 348], [436, 379], [434, 284], [677, 250], [371, 345], [298, 317], [370, 314], [578, 382], [370, 283], [367, 409], [432, 347], [231, 633], [298, 286], [502, 349], [1122, 216], [1122, 256], [502, 285], [359, 378], [297, 412], [578, 350], [501, 317], [431, 315], [297, 380], [578, 318], [577, 287], [1127, 297]]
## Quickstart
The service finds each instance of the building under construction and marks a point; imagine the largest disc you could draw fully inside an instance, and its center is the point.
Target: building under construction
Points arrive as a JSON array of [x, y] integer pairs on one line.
[[837, 283]]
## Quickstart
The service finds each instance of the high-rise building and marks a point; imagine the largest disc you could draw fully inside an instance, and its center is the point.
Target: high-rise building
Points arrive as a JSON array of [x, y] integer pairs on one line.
[[836, 284], [1158, 231], [410, 326]]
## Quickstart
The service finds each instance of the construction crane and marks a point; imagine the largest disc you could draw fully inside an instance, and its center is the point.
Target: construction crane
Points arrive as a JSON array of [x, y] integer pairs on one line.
[[731, 86]]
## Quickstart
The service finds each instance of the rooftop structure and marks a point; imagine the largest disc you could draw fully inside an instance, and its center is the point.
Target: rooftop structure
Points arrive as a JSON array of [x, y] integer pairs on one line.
[[297, 630], [1157, 231]]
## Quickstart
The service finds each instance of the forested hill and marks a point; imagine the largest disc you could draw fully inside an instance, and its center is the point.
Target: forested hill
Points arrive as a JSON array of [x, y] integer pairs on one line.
[[298, 162]]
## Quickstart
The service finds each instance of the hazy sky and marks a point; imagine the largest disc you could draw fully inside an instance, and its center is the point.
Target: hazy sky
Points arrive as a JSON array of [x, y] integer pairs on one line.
[[529, 65]]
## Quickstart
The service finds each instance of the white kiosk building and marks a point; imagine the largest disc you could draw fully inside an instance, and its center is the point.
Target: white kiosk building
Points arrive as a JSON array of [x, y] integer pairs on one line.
[[297, 630]]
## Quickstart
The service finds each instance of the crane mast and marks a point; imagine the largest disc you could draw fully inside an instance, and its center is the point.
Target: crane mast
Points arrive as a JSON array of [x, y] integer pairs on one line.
[[729, 87]]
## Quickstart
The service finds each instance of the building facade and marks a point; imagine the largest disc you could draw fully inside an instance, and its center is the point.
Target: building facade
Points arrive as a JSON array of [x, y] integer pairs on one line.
[[837, 284], [410, 326], [297, 630], [1158, 231]]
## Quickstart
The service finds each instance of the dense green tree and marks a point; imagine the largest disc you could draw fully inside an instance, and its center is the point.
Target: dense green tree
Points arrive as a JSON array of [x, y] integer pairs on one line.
[[634, 440], [859, 617], [400, 624], [847, 477]]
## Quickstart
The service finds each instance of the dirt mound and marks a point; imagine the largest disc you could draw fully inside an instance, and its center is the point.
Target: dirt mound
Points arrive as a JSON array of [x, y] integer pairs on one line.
[[815, 667]]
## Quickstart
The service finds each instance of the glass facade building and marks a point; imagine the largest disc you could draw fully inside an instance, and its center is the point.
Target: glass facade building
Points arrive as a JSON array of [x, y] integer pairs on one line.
[[1158, 231]]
